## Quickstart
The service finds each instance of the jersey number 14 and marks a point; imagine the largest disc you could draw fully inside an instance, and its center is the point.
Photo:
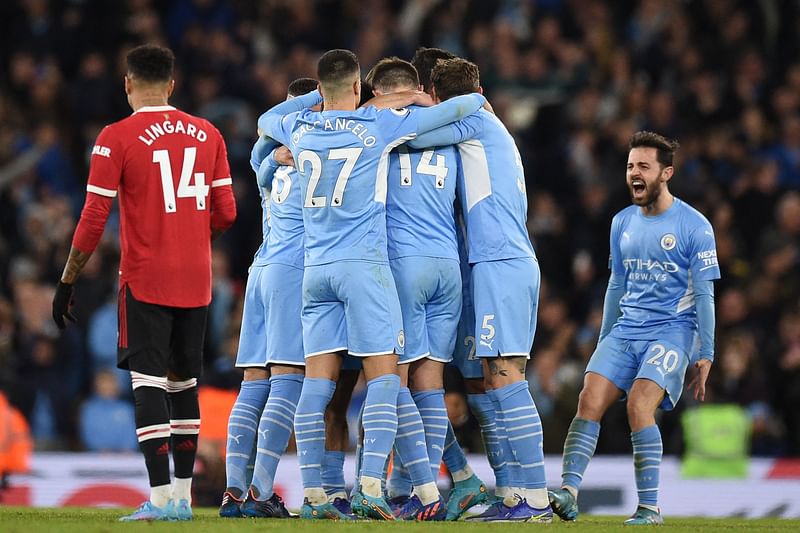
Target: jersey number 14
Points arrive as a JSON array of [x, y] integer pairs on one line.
[[198, 191]]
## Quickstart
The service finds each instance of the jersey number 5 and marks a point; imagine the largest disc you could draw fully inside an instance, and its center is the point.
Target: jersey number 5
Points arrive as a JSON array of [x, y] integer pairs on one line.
[[198, 191], [349, 155]]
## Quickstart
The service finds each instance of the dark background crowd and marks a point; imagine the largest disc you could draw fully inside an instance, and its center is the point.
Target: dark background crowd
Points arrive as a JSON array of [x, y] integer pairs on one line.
[[572, 80]]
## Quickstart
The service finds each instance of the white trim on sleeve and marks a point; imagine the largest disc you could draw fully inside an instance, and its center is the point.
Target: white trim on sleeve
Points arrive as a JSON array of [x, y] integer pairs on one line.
[[101, 191], [222, 181]]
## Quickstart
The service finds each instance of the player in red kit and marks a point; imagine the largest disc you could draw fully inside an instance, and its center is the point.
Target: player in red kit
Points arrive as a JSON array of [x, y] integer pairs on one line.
[[170, 170]]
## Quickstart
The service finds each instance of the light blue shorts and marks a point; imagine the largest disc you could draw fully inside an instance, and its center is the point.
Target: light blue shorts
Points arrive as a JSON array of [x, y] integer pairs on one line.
[[464, 352], [622, 361], [271, 328], [429, 289], [352, 306], [506, 299]]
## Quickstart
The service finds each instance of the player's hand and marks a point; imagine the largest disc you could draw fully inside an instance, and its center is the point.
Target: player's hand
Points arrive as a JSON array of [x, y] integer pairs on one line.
[[423, 99], [62, 303], [284, 157], [698, 382]]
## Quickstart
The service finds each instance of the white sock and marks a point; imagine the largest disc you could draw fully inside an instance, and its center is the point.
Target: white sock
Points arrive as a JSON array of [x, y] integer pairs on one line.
[[463, 474], [160, 495], [512, 497], [653, 508], [339, 494], [371, 486], [427, 493], [182, 489], [501, 492], [536, 498], [315, 495]]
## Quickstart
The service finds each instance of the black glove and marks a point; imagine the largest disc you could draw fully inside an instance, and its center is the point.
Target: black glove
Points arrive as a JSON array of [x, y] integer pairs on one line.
[[62, 302]]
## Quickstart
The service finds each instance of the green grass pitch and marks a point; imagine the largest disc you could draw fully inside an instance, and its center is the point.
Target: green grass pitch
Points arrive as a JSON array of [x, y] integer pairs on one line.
[[85, 520]]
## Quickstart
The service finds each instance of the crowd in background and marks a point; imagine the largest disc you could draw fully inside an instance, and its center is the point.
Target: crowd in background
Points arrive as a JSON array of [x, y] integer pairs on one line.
[[571, 79]]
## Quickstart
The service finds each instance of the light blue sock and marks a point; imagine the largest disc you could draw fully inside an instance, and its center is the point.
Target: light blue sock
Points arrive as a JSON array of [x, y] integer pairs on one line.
[[309, 428], [579, 448], [524, 432], [410, 440], [483, 409], [647, 451], [453, 456], [242, 431], [433, 412], [333, 472], [274, 430], [399, 482], [512, 465], [380, 423]]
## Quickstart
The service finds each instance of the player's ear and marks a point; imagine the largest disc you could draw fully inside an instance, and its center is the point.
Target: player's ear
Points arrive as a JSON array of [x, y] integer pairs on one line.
[[420, 88], [480, 89], [667, 173], [433, 95], [170, 88], [128, 85]]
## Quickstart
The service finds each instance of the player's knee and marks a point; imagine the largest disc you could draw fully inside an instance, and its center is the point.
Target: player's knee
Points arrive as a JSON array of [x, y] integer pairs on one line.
[[640, 410], [590, 405]]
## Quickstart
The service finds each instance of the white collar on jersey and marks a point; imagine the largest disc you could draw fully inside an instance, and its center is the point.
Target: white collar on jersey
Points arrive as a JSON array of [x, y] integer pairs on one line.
[[149, 108]]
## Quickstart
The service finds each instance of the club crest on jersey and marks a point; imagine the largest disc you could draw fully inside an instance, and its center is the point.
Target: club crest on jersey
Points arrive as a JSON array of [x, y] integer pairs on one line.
[[668, 241]]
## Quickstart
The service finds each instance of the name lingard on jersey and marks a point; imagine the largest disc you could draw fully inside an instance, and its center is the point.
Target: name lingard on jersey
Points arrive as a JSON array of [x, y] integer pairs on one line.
[[167, 127], [648, 269], [338, 124]]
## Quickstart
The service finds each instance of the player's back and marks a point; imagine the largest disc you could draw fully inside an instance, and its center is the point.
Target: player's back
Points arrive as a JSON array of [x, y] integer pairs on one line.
[[284, 243], [493, 192], [659, 257], [164, 163], [343, 159], [419, 206]]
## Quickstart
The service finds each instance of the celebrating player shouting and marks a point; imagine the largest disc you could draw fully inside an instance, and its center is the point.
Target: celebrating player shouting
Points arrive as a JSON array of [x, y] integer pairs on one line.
[[660, 294]]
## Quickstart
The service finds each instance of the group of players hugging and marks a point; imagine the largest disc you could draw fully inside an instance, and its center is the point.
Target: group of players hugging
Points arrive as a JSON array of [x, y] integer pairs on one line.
[[395, 243]]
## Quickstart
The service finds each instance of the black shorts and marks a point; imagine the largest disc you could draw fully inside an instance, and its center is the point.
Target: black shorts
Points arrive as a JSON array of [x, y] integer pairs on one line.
[[157, 339]]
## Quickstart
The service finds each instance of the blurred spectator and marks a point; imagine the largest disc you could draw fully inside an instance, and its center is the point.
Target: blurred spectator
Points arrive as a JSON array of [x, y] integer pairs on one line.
[[106, 421]]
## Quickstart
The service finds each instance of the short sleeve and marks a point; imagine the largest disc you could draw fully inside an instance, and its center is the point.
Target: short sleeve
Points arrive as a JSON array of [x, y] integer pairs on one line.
[[105, 165], [703, 262]]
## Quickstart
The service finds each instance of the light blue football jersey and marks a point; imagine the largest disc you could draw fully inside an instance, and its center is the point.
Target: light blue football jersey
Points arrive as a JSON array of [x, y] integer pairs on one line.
[[419, 205], [660, 257], [282, 218], [264, 171], [284, 243], [491, 186], [342, 158]]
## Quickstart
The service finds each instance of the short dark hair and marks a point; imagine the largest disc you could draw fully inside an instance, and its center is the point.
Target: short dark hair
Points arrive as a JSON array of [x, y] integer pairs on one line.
[[424, 61], [302, 86], [366, 92], [151, 63], [453, 77], [392, 73], [665, 148], [337, 66]]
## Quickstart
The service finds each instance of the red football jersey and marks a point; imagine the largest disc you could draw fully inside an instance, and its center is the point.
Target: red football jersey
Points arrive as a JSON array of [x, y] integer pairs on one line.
[[164, 163]]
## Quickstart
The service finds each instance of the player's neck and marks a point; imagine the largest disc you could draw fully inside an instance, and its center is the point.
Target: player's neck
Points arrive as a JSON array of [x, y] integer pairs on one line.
[[340, 104], [147, 100], [660, 206]]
